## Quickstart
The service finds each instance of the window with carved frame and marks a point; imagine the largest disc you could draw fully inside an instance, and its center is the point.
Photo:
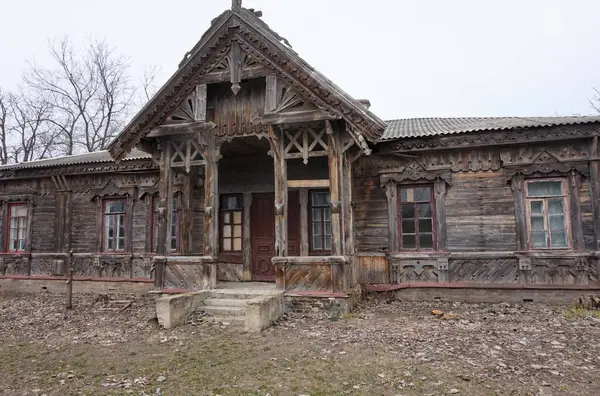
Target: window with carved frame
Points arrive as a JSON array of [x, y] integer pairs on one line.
[[231, 209], [16, 235], [174, 245], [547, 214], [114, 218], [320, 222], [416, 218]]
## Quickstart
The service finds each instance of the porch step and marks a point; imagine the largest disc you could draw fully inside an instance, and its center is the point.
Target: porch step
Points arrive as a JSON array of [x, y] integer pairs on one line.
[[223, 310], [226, 302], [234, 294], [236, 321]]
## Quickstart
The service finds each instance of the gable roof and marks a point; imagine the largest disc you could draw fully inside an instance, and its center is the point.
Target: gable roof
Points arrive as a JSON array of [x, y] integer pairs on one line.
[[253, 35], [423, 127], [77, 159]]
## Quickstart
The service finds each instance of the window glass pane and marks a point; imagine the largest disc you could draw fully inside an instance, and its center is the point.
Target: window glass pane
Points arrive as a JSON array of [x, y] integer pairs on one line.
[[227, 244], [320, 198], [13, 233], [537, 206], [111, 244], [426, 241], [173, 243], [14, 223], [555, 206], [115, 206], [558, 239], [237, 217], [237, 244], [316, 214], [237, 231], [328, 228], [317, 242], [327, 242], [423, 194], [408, 242], [327, 214], [544, 188], [227, 231], [408, 211], [407, 195], [229, 202], [538, 239], [121, 244], [538, 224], [19, 211], [21, 244], [408, 226], [557, 223], [21, 233], [227, 218], [317, 229], [424, 210], [425, 225]]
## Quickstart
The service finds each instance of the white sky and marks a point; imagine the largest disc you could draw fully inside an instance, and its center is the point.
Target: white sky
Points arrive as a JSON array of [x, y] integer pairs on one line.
[[411, 58]]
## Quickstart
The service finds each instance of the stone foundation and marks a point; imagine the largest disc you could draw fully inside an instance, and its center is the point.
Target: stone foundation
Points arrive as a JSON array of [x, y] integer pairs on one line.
[[59, 285]]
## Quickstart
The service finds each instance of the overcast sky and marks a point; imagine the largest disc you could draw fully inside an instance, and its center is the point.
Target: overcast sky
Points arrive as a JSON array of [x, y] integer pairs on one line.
[[411, 58]]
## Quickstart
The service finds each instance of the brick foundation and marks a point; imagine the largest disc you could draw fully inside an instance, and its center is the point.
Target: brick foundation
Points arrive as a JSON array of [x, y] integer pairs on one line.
[[316, 304]]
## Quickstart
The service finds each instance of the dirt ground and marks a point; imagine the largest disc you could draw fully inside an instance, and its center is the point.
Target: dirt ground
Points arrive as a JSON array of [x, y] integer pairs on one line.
[[385, 348]]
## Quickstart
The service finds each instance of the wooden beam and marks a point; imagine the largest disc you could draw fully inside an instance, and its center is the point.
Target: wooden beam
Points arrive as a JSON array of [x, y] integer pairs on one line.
[[211, 195], [333, 144], [200, 109], [324, 183], [181, 129], [304, 243], [391, 192], [247, 73], [271, 94], [281, 191], [292, 117]]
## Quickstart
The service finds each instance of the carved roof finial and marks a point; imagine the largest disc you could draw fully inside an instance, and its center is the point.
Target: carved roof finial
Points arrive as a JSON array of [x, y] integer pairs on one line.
[[236, 4]]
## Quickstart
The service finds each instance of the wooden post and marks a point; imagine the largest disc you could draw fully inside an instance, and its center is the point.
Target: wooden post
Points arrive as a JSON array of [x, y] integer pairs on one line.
[[575, 212], [165, 211], [333, 149], [520, 213], [347, 214], [70, 280], [595, 187], [211, 195], [187, 214], [391, 192], [281, 192], [247, 237], [304, 242], [440, 213]]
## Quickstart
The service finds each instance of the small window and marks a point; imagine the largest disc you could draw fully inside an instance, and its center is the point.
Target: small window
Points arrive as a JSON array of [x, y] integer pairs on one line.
[[320, 217], [231, 222], [114, 225], [416, 225], [17, 227], [547, 212], [174, 225]]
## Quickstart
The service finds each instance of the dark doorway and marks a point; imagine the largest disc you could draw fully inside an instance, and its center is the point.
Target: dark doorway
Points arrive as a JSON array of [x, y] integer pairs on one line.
[[263, 233]]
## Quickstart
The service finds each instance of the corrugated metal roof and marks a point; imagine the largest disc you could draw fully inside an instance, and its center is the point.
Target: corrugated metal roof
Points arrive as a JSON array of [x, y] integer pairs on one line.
[[78, 159], [420, 127]]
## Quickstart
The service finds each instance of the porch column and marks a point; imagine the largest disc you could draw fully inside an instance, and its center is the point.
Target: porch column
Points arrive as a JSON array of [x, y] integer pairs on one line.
[[165, 211], [211, 195], [281, 191], [335, 165]]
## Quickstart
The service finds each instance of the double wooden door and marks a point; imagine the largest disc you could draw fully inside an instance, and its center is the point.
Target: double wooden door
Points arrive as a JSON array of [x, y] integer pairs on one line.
[[263, 232]]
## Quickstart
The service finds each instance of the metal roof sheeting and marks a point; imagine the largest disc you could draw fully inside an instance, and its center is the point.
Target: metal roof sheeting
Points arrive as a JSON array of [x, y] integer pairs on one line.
[[422, 127], [77, 159]]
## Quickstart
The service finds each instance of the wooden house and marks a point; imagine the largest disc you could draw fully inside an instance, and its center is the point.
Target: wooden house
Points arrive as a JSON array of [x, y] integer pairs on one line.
[[250, 165]]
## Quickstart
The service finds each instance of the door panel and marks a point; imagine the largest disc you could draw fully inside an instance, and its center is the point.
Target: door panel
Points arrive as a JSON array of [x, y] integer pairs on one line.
[[263, 232]]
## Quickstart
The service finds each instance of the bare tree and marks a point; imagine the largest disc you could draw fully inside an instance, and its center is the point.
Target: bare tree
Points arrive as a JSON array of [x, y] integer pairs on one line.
[[3, 128], [31, 128], [89, 94], [595, 102]]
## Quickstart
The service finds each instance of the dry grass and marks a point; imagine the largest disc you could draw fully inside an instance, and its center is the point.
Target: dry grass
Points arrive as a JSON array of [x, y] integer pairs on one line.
[[385, 348]]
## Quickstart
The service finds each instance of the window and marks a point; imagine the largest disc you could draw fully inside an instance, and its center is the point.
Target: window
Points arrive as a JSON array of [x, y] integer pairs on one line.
[[114, 225], [17, 227], [547, 214], [174, 225], [231, 223], [320, 217], [416, 218]]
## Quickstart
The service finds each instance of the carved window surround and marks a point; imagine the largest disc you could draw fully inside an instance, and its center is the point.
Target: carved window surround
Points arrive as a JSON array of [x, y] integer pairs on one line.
[[5, 202], [414, 174]]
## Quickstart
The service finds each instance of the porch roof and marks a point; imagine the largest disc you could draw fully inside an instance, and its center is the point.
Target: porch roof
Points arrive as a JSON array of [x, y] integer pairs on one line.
[[435, 126]]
